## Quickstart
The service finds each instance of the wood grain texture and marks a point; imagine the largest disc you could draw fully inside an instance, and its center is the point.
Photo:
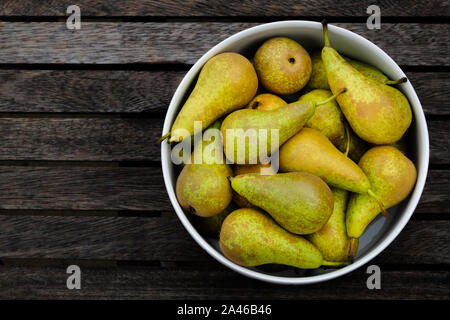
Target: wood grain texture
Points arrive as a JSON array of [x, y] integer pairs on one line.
[[86, 139], [118, 138], [128, 91], [217, 8], [129, 188], [164, 239], [82, 188], [124, 43], [211, 283], [87, 91]]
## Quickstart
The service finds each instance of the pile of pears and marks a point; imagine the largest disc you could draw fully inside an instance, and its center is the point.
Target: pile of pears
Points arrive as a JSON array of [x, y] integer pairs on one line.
[[342, 153]]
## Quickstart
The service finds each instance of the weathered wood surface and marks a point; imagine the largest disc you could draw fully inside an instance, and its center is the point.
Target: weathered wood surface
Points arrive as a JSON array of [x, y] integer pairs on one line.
[[129, 188], [218, 8], [92, 91], [79, 177], [117, 138], [125, 43], [150, 91], [68, 138], [165, 239], [211, 282]]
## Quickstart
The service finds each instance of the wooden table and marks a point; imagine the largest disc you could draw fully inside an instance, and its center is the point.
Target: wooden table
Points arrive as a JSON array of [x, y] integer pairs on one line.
[[80, 177]]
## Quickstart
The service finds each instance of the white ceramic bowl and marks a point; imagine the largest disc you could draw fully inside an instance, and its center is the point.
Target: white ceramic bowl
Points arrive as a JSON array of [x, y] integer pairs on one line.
[[382, 231]]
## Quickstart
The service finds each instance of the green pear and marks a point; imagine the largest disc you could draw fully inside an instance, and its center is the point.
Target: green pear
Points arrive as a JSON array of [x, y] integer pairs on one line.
[[356, 148], [266, 101], [327, 118], [300, 202], [210, 226], [319, 79], [392, 177], [203, 187], [246, 131], [283, 66], [249, 168], [378, 113], [226, 82], [310, 151], [250, 238], [332, 239]]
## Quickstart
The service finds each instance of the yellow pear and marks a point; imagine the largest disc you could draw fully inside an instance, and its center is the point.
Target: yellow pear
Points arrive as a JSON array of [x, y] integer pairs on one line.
[[226, 82], [310, 151]]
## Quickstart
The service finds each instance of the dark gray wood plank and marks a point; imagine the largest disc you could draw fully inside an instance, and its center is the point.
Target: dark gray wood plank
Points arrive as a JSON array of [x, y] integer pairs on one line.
[[117, 138], [119, 43], [87, 91], [128, 188], [94, 138], [216, 8], [211, 283], [165, 239], [128, 91], [107, 238], [82, 188]]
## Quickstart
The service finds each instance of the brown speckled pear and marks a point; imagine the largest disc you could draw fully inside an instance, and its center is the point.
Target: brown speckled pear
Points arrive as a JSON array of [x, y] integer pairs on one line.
[[283, 65], [310, 151], [319, 79], [378, 113], [226, 82], [203, 188], [328, 117], [332, 240], [266, 101], [392, 177], [251, 238], [300, 202]]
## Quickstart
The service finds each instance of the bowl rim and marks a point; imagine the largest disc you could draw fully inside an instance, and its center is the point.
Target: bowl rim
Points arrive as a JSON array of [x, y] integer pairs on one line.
[[422, 159]]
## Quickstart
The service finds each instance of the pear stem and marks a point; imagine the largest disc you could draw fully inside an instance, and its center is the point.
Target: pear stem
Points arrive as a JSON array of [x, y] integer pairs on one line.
[[332, 97], [382, 208], [401, 80], [325, 33], [335, 263], [352, 247], [347, 133], [164, 137]]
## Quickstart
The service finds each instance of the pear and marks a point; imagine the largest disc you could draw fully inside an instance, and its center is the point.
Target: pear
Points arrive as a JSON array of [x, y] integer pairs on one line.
[[328, 118], [319, 79], [266, 101], [332, 239], [203, 188], [226, 82], [356, 148], [244, 128], [283, 65], [210, 226], [300, 202], [311, 151], [392, 176], [249, 168], [378, 113], [250, 238]]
